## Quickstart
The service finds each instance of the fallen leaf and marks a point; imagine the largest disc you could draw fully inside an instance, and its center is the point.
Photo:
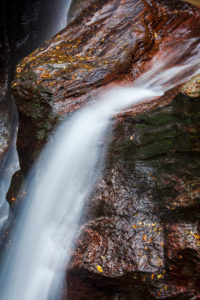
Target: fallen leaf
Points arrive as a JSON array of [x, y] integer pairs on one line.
[[144, 237], [99, 268]]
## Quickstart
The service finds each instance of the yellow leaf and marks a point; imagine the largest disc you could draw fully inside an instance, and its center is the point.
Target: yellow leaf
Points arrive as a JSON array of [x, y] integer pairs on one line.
[[134, 226], [152, 276], [196, 236], [99, 268], [144, 279]]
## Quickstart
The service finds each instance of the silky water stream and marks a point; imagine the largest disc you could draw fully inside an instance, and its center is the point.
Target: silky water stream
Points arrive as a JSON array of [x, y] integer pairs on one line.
[[47, 225]]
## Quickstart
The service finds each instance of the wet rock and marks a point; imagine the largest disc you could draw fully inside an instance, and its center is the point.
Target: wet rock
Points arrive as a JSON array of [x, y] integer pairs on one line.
[[76, 7], [4, 135], [8, 160], [110, 42], [192, 87], [141, 231], [140, 236]]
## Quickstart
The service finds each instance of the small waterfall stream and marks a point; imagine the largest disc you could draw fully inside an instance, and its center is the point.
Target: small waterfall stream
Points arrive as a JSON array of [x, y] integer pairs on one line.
[[46, 228], [48, 223], [13, 50]]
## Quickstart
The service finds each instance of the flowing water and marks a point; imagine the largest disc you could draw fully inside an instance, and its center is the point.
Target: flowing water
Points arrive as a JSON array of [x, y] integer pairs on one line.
[[13, 47], [46, 228], [47, 225]]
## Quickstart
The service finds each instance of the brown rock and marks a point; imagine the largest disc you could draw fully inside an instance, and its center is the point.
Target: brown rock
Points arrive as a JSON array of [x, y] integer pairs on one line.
[[142, 225], [192, 87], [109, 43]]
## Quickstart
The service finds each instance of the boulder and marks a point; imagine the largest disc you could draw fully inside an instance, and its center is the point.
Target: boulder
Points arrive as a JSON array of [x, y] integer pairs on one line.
[[140, 236], [140, 233], [192, 87], [110, 42]]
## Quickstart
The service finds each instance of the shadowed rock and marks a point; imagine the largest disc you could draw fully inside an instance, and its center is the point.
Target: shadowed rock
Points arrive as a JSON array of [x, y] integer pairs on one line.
[[142, 231]]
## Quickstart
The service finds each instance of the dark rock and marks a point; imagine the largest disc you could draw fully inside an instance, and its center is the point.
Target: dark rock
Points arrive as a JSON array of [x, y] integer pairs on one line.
[[5, 132], [8, 159], [23, 27], [109, 43], [142, 230]]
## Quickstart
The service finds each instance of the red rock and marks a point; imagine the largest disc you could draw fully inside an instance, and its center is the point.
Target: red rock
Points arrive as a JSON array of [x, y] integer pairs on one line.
[[135, 240], [110, 43]]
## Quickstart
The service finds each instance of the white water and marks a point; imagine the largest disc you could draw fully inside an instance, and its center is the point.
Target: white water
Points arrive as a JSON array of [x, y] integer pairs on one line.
[[11, 162], [48, 224], [34, 268]]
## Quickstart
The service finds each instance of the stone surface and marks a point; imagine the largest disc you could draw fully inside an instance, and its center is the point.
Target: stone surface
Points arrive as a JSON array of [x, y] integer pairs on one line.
[[142, 234], [192, 87], [76, 6], [110, 42], [23, 27], [5, 135]]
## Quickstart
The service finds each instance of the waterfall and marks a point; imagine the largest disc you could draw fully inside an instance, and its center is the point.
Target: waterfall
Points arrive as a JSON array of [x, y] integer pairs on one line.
[[47, 226], [48, 223], [10, 163]]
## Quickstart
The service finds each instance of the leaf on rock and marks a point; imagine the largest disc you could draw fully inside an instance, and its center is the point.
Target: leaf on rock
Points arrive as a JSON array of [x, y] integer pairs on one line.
[[99, 268]]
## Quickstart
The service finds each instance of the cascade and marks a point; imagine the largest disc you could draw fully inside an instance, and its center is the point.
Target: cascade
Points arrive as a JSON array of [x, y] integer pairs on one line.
[[35, 265], [48, 222], [10, 163]]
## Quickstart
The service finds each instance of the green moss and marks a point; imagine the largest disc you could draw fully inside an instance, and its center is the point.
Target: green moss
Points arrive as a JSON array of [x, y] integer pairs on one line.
[[157, 118], [41, 134]]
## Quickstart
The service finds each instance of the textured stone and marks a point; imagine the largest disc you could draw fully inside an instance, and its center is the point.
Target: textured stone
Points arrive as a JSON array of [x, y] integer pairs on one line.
[[143, 218], [110, 42], [192, 87]]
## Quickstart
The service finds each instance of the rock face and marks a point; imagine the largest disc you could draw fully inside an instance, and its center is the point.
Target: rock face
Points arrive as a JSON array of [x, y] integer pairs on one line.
[[192, 87], [109, 43], [76, 7], [140, 236], [8, 158], [141, 239]]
